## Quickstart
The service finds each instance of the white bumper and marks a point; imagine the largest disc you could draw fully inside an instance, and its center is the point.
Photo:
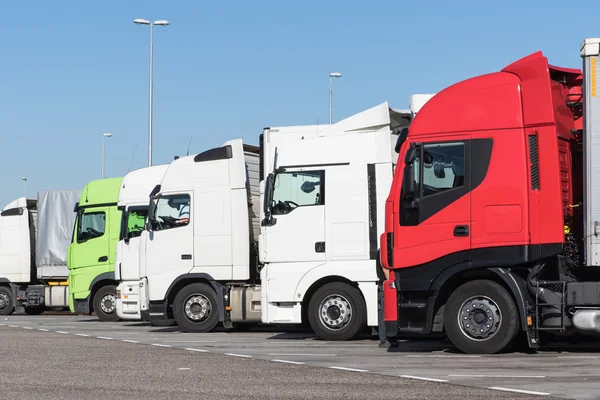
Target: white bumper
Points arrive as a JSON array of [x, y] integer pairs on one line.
[[128, 300]]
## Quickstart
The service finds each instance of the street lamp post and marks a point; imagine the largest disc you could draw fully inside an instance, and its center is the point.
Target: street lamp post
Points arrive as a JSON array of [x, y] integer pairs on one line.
[[24, 179], [104, 136], [331, 76], [161, 22]]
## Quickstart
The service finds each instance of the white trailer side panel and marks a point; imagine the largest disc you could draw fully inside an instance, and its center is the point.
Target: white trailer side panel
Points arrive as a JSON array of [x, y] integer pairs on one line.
[[55, 222]]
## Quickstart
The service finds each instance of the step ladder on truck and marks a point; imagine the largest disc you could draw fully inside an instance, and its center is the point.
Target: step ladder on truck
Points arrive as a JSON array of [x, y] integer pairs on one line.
[[492, 230]]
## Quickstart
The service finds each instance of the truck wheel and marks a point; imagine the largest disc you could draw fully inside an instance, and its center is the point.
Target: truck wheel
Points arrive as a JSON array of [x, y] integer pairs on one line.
[[105, 304], [337, 312], [196, 308], [7, 306], [34, 310], [481, 318]]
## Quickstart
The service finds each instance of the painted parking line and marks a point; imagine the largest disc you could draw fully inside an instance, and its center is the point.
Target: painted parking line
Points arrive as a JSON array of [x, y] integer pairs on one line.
[[503, 389], [288, 362], [424, 378], [349, 369]]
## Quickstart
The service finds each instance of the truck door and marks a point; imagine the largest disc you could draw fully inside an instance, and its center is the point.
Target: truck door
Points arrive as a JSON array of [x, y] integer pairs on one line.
[[91, 242], [170, 243], [295, 232], [433, 219], [133, 225]]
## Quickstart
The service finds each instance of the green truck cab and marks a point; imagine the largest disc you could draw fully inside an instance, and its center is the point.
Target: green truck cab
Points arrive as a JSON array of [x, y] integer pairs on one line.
[[91, 255]]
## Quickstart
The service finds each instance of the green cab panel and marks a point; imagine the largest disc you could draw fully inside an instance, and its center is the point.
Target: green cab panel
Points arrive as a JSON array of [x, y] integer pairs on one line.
[[92, 251]]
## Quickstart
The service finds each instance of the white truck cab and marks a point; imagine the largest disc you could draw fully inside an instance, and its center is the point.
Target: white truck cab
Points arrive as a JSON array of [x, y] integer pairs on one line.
[[133, 201], [321, 212]]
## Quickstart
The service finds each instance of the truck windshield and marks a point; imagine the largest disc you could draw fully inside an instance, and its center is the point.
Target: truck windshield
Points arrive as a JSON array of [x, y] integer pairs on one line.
[[171, 211]]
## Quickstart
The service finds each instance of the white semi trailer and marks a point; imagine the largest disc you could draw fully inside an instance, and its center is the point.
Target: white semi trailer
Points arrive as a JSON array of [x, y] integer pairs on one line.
[[34, 239]]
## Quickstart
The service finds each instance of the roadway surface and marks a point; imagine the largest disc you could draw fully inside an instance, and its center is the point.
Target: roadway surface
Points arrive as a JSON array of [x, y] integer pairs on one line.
[[75, 355]]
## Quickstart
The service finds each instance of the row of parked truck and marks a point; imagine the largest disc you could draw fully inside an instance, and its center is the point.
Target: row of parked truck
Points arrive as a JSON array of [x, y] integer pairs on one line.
[[475, 211]]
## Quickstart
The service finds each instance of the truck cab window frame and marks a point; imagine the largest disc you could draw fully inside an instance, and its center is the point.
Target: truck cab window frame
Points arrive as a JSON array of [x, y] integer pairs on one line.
[[440, 174], [171, 211], [90, 225], [297, 189]]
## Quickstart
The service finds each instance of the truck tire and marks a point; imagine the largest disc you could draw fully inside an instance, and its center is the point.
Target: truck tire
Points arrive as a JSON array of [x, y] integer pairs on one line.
[[7, 305], [481, 318], [196, 308], [337, 312], [105, 304], [34, 310]]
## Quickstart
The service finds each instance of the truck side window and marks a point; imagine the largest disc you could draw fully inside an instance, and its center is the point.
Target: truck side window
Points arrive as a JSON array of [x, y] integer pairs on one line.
[[91, 225], [172, 211], [438, 172], [298, 189], [443, 167], [133, 221]]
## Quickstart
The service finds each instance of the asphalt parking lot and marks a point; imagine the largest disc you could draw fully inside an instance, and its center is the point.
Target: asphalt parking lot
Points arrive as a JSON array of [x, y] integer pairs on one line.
[[421, 369]]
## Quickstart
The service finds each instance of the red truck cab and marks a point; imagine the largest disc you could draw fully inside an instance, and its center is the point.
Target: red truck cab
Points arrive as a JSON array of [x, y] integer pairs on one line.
[[483, 196]]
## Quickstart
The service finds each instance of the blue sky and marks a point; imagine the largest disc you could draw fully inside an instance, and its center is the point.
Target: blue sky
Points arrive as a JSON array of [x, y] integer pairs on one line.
[[72, 70]]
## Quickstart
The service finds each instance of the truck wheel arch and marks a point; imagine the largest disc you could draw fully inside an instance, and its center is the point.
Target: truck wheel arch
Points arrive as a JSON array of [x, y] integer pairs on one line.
[[319, 283], [107, 278], [184, 280], [515, 285]]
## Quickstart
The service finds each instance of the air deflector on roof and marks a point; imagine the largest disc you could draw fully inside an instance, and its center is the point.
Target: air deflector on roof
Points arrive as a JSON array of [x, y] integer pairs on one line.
[[219, 153]]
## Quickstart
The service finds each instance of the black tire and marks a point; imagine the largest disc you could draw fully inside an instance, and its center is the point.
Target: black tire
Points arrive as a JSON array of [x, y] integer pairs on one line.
[[201, 292], [109, 313], [335, 291], [7, 301], [35, 310], [163, 322], [497, 301]]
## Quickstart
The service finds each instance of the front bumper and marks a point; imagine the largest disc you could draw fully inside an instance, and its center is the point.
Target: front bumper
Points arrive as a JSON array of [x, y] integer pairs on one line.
[[128, 300]]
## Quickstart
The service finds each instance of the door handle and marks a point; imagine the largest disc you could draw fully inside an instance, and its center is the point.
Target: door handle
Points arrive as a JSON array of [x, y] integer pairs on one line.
[[320, 247], [186, 256], [103, 259], [461, 230]]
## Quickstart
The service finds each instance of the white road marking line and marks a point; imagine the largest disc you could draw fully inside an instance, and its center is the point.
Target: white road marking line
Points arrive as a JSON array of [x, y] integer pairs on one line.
[[503, 389], [198, 350], [190, 341], [27, 327], [498, 376], [1, 324], [160, 345], [13, 326], [423, 378], [439, 356], [62, 332], [237, 355], [129, 341], [82, 335], [43, 330], [104, 337], [301, 355], [184, 369], [288, 362], [349, 369]]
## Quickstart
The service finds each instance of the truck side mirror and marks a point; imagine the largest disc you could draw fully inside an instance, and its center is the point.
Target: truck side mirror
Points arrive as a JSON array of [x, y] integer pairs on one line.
[[410, 154], [148, 226], [408, 183]]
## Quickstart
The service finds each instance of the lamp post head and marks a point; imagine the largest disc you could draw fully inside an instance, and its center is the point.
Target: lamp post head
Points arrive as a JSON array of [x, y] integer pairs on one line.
[[141, 21], [24, 179], [335, 75], [107, 134], [161, 22]]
